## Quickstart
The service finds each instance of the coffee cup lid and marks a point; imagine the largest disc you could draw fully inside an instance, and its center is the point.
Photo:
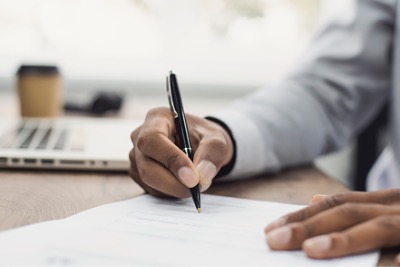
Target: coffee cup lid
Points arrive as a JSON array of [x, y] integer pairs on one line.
[[37, 70]]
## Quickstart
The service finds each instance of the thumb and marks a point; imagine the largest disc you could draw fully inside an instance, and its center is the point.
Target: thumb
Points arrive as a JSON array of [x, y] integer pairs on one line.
[[215, 149], [209, 158], [397, 260], [207, 171]]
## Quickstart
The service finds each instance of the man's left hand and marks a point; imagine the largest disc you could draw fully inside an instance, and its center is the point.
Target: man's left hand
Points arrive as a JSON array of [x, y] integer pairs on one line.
[[340, 225]]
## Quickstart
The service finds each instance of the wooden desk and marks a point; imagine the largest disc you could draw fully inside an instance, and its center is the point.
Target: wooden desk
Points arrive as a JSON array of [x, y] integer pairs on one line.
[[28, 197]]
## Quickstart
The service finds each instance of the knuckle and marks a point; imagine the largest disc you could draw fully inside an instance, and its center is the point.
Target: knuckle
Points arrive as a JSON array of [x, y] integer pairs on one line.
[[335, 200], [144, 141], [158, 111]]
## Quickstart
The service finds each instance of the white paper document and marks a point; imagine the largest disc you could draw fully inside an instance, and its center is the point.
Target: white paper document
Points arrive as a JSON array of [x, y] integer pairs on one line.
[[158, 232]]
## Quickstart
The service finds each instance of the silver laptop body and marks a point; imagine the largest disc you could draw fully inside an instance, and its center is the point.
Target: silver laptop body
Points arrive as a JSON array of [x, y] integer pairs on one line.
[[70, 143]]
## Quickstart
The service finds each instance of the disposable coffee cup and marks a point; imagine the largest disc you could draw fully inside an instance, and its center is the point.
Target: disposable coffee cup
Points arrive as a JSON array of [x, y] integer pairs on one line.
[[39, 90]]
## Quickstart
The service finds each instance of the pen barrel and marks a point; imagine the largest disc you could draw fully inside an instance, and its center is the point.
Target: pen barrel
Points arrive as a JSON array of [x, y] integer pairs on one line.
[[182, 130], [183, 135], [181, 127]]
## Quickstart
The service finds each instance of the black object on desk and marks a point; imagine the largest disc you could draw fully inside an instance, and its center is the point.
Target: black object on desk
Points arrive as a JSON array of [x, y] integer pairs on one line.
[[175, 103], [101, 103]]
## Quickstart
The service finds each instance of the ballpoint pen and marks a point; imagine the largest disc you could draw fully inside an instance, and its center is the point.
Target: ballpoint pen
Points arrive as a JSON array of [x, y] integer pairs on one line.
[[176, 106]]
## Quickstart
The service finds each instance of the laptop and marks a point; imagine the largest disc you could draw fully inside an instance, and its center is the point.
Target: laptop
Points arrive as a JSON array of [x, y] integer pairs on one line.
[[66, 143]]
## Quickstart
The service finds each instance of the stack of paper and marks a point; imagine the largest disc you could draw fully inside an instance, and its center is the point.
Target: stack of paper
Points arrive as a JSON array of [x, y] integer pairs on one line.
[[152, 231]]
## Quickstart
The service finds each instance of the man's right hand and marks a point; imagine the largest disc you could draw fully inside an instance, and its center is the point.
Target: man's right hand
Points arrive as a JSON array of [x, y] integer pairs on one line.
[[162, 169]]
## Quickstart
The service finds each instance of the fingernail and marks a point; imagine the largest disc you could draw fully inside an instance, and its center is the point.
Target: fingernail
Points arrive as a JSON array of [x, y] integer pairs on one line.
[[319, 244], [207, 171], [279, 238], [317, 197], [275, 224], [187, 176]]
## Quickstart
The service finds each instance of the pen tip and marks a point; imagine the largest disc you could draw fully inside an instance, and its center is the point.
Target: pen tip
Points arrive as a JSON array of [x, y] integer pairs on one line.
[[198, 210]]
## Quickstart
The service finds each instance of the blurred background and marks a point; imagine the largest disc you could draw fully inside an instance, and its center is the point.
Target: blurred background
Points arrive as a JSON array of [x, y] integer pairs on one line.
[[220, 49], [243, 43]]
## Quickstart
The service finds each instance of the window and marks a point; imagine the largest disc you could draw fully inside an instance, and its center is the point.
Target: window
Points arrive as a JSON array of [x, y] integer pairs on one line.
[[242, 42]]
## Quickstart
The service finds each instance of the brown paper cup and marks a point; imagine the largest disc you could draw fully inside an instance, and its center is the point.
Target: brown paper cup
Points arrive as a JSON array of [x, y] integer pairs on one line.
[[39, 91]]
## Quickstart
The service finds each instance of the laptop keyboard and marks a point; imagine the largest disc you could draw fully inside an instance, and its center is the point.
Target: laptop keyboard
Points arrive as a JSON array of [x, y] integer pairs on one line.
[[45, 139], [41, 135]]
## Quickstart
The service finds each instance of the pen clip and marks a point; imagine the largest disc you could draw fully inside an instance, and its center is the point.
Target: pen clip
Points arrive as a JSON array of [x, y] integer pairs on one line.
[[171, 102]]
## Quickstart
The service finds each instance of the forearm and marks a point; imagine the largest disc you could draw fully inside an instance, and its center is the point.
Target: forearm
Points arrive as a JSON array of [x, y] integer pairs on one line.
[[337, 87]]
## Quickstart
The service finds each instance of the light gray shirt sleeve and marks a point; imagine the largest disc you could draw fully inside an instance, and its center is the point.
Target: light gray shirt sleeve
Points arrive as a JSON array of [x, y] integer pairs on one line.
[[335, 89]]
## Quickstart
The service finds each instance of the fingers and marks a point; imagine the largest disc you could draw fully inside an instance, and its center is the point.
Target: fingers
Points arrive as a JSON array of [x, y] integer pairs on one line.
[[339, 218], [324, 203], [133, 172], [371, 235], [156, 178], [340, 225], [158, 163], [388, 196], [149, 174], [162, 150], [155, 141], [319, 206]]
